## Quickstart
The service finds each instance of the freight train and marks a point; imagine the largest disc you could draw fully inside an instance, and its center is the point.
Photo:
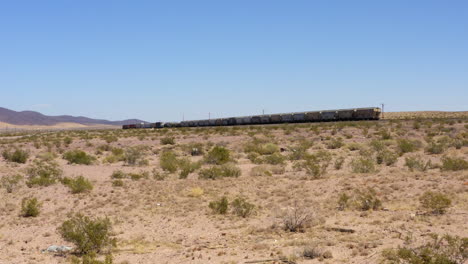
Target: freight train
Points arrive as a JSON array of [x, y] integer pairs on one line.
[[368, 113]]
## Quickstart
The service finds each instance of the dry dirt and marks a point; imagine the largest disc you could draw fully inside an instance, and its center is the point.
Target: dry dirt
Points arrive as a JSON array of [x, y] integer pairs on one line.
[[169, 221]]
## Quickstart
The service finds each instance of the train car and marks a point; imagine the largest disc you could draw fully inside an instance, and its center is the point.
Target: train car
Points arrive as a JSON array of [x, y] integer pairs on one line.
[[328, 115], [346, 114], [298, 117], [369, 113], [312, 116]]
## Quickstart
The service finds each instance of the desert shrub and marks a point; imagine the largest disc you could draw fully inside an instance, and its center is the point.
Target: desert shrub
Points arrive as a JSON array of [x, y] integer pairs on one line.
[[46, 156], [168, 161], [187, 167], [167, 141], [9, 182], [385, 134], [91, 259], [406, 145], [220, 206], [241, 207], [312, 252], [296, 218], [363, 165], [416, 163], [435, 148], [454, 164], [354, 146], [218, 155], [88, 235], [78, 157], [43, 173], [377, 145], [315, 164], [30, 207], [194, 149], [18, 155], [273, 159], [220, 171], [117, 183], [386, 157], [261, 170], [196, 192], [339, 163], [118, 174], [110, 138], [435, 202], [343, 201], [158, 175], [67, 141], [261, 147], [137, 176], [367, 200], [441, 250], [135, 156], [335, 143], [78, 185]]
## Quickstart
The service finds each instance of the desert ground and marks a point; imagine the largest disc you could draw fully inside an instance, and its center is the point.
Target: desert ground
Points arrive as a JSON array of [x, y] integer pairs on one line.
[[335, 192]]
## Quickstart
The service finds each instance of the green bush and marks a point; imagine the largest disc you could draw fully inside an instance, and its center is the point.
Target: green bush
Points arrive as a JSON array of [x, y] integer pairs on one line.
[[78, 185], [117, 183], [386, 157], [118, 174], [435, 148], [10, 181], [135, 156], [406, 145], [441, 250], [367, 200], [454, 164], [435, 202], [273, 159], [220, 206], [220, 171], [315, 164], [168, 161], [167, 141], [335, 143], [339, 163], [363, 165], [242, 207], [343, 201], [88, 235], [43, 173], [30, 207], [187, 167], [416, 163], [218, 155], [78, 157], [137, 176], [18, 156], [91, 259]]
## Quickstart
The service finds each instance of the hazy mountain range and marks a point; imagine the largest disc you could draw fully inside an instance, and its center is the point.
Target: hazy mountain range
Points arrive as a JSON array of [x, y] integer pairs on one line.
[[36, 118]]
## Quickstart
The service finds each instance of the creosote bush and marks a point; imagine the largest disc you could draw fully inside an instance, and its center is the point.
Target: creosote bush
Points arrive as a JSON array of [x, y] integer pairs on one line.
[[168, 161], [135, 156], [89, 235], [9, 182], [221, 171], [241, 207], [406, 145], [78, 185], [435, 202], [30, 207], [220, 206], [416, 163], [43, 173], [454, 164], [367, 200], [363, 165], [78, 157], [18, 156], [167, 141], [441, 250], [218, 155]]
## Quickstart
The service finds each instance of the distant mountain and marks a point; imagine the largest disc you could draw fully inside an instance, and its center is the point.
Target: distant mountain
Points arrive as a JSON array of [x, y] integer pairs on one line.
[[35, 118]]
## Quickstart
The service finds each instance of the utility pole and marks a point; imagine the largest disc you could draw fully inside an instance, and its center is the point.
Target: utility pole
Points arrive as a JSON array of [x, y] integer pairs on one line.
[[382, 110], [183, 117], [263, 111], [209, 115]]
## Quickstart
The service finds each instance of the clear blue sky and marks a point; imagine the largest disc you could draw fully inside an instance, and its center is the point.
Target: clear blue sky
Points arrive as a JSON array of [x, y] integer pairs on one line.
[[157, 60]]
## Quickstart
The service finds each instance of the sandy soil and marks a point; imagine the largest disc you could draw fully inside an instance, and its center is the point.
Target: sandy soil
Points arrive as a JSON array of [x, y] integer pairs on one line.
[[169, 221]]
